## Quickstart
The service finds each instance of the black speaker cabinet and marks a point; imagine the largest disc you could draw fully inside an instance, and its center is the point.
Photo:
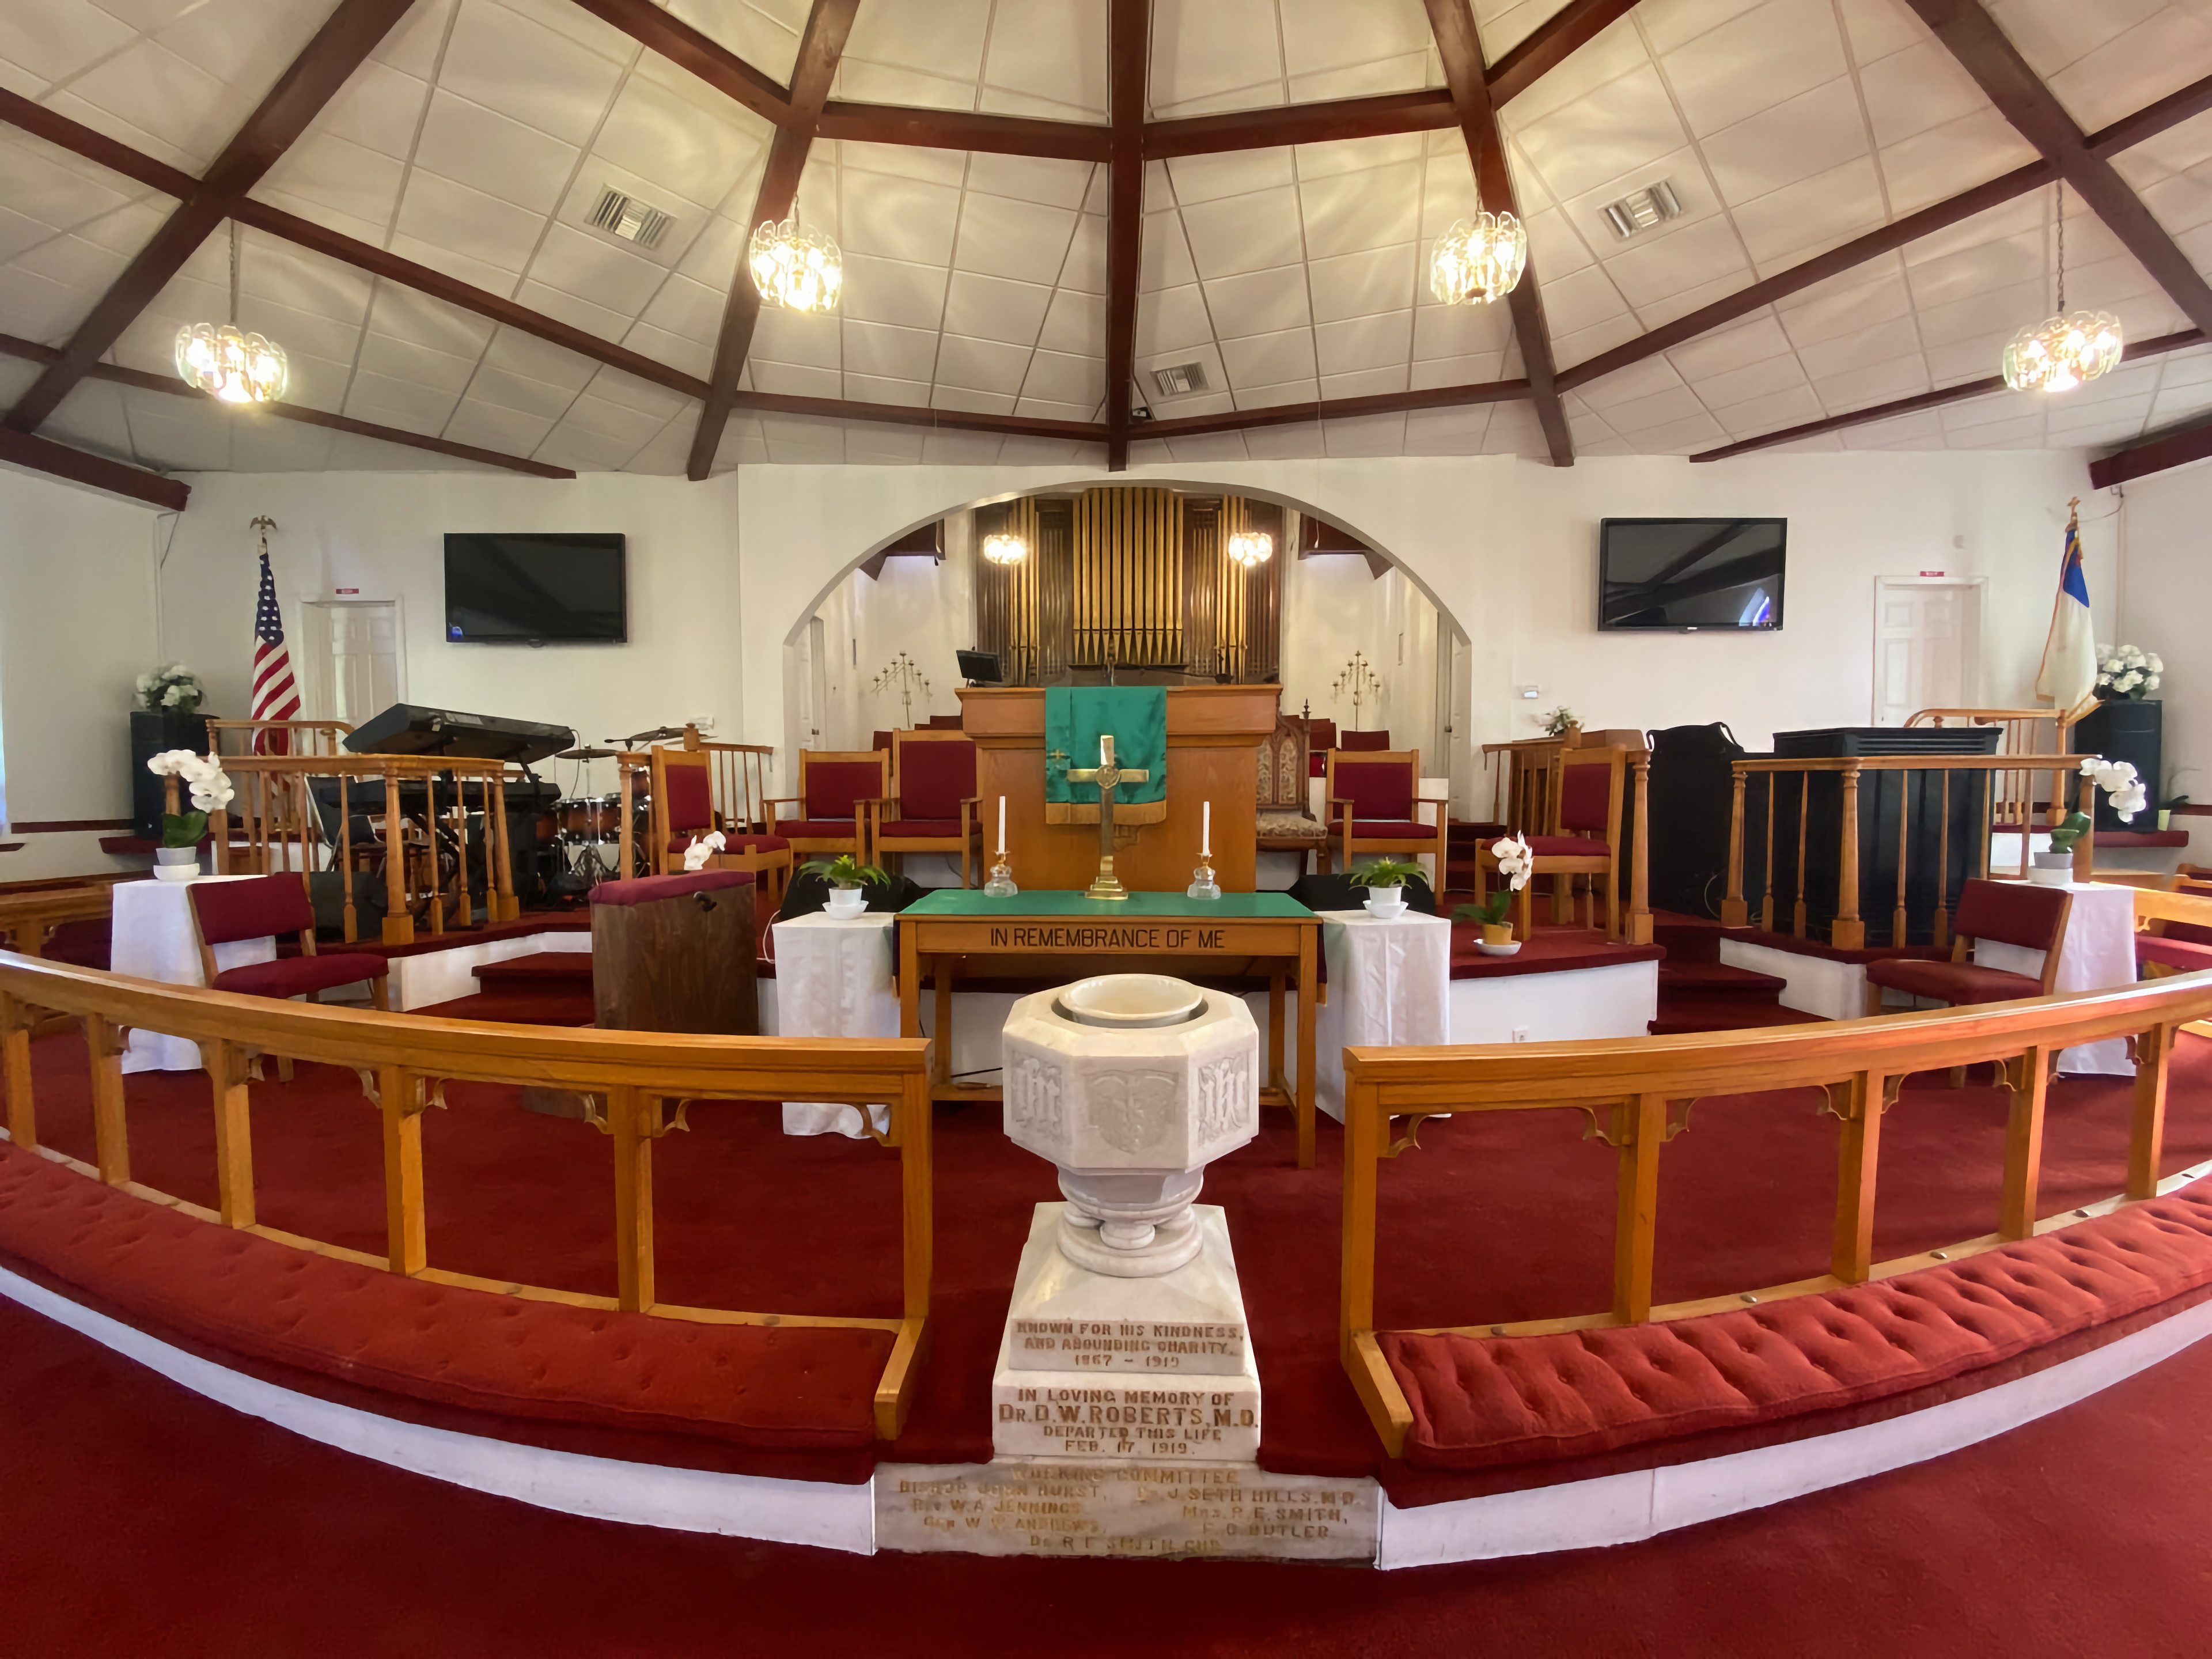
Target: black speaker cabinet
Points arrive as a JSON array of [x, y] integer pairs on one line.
[[153, 732], [2130, 732]]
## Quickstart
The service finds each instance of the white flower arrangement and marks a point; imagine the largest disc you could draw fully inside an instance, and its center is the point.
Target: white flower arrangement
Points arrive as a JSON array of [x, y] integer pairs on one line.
[[204, 778], [1515, 861], [2126, 671], [2118, 780], [172, 685], [702, 848]]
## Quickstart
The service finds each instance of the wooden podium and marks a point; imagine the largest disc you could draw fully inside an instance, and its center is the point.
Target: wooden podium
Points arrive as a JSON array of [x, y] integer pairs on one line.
[[1214, 734]]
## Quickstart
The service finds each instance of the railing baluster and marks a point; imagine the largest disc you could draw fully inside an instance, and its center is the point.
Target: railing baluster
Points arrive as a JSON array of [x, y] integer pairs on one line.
[[1903, 846], [1942, 933], [400, 1099], [633, 1116], [2147, 1131], [2023, 1164], [1732, 910], [233, 1132], [1643, 1125], [1848, 932], [1857, 1159], [15, 1073], [105, 1042], [1767, 875], [1804, 819]]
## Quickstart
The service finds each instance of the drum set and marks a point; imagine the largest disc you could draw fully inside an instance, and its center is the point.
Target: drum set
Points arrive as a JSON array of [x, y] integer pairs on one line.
[[588, 827]]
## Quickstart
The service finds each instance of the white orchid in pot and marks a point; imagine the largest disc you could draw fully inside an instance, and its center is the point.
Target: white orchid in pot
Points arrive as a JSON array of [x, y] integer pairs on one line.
[[2117, 779], [177, 857], [1515, 863]]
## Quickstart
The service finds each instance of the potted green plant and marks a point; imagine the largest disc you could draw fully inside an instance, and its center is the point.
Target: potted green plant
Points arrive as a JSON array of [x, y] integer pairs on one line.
[[178, 857], [848, 878], [1560, 721], [1515, 863], [1385, 881]]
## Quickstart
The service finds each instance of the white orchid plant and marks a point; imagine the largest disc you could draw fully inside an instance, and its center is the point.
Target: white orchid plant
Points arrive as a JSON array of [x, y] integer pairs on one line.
[[1516, 864], [702, 847], [2117, 779], [207, 783], [2127, 672], [172, 685]]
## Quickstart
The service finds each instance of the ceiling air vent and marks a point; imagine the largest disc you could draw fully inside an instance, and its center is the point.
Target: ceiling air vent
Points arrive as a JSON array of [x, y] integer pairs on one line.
[[1183, 379], [629, 218], [1647, 208]]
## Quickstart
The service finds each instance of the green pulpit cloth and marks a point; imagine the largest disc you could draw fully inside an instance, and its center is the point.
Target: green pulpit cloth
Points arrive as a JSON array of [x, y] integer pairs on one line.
[[1075, 718]]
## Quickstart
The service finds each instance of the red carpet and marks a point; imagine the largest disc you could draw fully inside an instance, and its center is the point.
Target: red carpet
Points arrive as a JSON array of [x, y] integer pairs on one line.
[[1504, 1219], [143, 1520]]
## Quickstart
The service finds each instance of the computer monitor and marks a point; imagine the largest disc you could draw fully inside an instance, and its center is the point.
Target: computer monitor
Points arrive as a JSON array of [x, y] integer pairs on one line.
[[981, 667]]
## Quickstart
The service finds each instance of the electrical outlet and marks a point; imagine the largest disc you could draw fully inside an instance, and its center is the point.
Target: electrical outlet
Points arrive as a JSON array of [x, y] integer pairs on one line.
[[1520, 1033]]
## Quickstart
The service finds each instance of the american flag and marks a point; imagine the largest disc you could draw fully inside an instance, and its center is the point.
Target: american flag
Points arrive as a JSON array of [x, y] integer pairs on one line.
[[276, 694]]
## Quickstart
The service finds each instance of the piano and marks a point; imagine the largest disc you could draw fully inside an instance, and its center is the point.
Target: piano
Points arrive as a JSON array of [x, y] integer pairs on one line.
[[408, 728]]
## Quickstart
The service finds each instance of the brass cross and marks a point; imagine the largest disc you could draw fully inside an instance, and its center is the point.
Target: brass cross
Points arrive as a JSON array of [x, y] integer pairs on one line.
[[1109, 777], [1058, 756]]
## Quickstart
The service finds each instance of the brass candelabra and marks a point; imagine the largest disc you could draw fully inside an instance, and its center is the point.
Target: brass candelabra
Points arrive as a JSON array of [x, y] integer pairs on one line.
[[903, 674], [1361, 682]]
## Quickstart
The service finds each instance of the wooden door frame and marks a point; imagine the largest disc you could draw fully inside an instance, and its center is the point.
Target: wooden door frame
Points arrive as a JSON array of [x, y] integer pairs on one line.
[[321, 642], [1970, 667]]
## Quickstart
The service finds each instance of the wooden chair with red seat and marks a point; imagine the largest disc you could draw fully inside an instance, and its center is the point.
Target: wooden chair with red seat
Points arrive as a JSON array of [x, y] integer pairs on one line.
[[1372, 797], [836, 788], [265, 907], [1364, 742], [932, 807], [1582, 838], [683, 810], [2007, 912], [2173, 924]]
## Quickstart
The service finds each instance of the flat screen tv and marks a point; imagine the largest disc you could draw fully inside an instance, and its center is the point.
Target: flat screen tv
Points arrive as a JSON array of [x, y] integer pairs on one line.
[[566, 588], [1689, 575]]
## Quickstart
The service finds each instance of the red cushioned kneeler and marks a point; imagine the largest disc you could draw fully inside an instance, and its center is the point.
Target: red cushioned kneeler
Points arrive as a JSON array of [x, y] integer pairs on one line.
[[769, 1386]]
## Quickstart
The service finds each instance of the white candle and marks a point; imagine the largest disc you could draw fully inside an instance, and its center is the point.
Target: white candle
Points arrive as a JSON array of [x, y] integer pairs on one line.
[[1002, 825], [1206, 831]]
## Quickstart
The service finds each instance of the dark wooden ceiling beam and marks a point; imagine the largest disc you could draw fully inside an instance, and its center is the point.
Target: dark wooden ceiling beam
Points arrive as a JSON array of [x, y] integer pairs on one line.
[[1130, 55], [1338, 409], [59, 460], [2160, 452], [1970, 34], [79, 139], [1300, 124], [662, 33], [964, 130], [324, 66], [820, 47], [1912, 406], [1452, 23], [1562, 34], [936, 420]]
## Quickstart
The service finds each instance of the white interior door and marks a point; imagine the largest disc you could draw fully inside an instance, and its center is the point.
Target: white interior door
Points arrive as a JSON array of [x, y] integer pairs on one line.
[[352, 666], [1927, 645]]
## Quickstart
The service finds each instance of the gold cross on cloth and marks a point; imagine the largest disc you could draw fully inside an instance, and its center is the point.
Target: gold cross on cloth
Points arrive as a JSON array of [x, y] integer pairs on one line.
[[1109, 777]]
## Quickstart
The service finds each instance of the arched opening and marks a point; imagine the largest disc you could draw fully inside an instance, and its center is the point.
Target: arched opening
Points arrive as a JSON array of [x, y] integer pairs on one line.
[[1346, 629]]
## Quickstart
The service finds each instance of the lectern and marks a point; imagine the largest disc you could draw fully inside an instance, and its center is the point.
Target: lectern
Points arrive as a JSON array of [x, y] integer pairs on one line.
[[1214, 734]]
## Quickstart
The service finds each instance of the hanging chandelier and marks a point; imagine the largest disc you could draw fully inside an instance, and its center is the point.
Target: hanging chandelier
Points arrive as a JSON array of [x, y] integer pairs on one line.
[[235, 367], [796, 269], [1003, 547], [1251, 547], [1479, 260], [2060, 352]]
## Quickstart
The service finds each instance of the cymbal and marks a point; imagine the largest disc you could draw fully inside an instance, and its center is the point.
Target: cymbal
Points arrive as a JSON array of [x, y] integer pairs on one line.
[[658, 734], [588, 754]]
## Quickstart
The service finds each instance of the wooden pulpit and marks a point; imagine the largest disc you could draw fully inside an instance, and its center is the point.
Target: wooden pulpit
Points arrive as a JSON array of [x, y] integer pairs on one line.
[[1214, 734]]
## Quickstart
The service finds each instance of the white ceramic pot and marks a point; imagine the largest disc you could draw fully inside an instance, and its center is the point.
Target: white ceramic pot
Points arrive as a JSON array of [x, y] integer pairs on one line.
[[2051, 869], [846, 903], [176, 863], [1384, 903]]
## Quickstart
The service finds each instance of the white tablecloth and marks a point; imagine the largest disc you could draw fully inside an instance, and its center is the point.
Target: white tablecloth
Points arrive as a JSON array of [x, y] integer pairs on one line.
[[833, 979], [2097, 952], [153, 938], [1389, 985]]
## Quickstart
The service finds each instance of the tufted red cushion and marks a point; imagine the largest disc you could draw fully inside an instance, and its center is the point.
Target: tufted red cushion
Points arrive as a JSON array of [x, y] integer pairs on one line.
[[691, 795], [831, 787], [1511, 1400], [2185, 954], [1385, 830], [1955, 983], [926, 829], [1566, 847], [1586, 797], [1377, 789], [293, 977], [784, 1386], [935, 777], [253, 907], [677, 883], [2013, 911]]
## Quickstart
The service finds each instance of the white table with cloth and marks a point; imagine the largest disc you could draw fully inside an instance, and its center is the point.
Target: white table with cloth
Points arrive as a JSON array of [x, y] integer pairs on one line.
[[833, 979], [153, 937], [2097, 952], [1389, 985]]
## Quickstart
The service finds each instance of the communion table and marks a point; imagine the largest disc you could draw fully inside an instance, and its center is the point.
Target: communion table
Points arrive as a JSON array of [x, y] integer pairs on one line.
[[1214, 734], [968, 935]]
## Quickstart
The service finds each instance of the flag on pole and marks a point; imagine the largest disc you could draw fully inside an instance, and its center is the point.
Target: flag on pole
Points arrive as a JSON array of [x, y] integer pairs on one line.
[[276, 695], [2067, 676]]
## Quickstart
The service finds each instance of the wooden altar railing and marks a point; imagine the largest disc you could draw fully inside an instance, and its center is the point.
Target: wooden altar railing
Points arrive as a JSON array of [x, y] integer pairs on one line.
[[27, 919], [2012, 788], [738, 774], [404, 1064], [1638, 1093], [1848, 931]]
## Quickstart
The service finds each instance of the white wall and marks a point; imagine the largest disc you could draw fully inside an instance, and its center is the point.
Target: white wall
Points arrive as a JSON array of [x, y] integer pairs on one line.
[[2166, 533], [383, 534], [76, 628], [1333, 606], [917, 605]]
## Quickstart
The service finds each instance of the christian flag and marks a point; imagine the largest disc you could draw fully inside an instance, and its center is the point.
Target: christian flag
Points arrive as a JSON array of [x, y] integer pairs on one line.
[[276, 695], [2069, 674]]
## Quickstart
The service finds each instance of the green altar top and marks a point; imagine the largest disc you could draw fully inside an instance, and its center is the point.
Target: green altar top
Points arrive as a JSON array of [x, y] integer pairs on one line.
[[1229, 907]]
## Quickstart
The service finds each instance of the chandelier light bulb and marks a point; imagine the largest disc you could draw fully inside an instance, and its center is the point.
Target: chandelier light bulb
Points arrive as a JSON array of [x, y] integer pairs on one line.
[[237, 369], [796, 269], [1001, 547], [1251, 547], [1479, 260], [2060, 353]]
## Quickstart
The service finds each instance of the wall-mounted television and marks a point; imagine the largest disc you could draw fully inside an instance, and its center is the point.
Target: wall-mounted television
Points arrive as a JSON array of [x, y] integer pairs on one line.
[[564, 587], [1689, 576]]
